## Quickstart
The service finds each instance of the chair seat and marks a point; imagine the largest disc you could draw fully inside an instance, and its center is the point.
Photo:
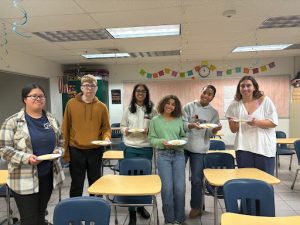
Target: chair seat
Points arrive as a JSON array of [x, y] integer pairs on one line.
[[132, 199], [281, 151]]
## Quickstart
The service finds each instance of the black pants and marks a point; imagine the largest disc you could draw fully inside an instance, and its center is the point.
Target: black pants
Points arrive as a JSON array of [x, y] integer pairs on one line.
[[32, 207], [84, 161]]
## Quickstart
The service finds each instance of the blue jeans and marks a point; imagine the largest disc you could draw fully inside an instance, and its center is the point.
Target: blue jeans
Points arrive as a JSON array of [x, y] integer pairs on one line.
[[247, 159], [197, 166], [171, 169]]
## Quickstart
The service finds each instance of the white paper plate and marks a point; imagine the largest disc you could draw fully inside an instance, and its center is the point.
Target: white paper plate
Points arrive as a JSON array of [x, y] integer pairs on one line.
[[102, 143], [208, 125], [177, 142], [241, 120], [48, 157], [136, 130]]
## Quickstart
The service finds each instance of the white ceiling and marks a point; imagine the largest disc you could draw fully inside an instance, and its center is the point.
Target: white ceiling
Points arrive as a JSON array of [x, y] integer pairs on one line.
[[205, 33]]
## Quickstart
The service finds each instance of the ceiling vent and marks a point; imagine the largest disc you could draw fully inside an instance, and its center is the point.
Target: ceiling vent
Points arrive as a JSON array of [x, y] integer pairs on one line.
[[74, 35], [107, 50], [154, 54], [281, 22]]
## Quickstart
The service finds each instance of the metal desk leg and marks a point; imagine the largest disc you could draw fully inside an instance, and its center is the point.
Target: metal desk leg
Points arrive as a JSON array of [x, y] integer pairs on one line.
[[155, 211], [276, 165], [8, 204], [215, 206]]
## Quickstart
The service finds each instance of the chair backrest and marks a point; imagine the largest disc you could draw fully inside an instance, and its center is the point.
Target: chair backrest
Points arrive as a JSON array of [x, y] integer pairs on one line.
[[249, 197], [114, 133], [281, 134], [297, 150], [217, 145], [91, 210], [218, 160], [135, 166]]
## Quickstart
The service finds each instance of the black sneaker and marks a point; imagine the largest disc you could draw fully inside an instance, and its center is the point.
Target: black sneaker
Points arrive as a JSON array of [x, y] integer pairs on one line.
[[143, 212]]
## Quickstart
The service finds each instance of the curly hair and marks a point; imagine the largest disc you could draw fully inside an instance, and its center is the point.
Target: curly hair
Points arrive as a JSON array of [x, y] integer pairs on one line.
[[161, 105], [256, 94], [147, 103]]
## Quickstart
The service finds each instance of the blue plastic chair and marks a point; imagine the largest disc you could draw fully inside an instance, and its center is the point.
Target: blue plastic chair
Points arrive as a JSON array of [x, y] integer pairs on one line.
[[91, 210], [217, 145], [133, 167], [217, 160], [297, 149], [249, 197], [283, 149], [115, 133]]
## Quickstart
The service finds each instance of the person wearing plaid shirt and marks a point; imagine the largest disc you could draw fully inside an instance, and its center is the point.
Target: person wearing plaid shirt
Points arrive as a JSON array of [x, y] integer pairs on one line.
[[23, 137]]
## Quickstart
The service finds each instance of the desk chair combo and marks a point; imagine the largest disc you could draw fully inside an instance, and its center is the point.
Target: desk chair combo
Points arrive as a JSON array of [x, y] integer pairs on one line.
[[283, 149], [82, 210], [297, 150], [133, 167], [116, 131], [249, 197], [110, 155], [216, 161]]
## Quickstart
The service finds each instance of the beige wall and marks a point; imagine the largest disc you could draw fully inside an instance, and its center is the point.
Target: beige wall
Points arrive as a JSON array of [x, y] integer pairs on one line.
[[28, 65], [294, 122], [120, 74]]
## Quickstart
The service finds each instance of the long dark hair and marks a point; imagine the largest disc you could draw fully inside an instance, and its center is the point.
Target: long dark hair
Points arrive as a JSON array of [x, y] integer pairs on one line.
[[27, 89], [147, 103], [256, 94], [161, 105]]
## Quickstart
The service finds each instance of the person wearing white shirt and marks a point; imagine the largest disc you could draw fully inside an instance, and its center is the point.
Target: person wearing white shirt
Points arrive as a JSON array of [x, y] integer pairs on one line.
[[253, 117]]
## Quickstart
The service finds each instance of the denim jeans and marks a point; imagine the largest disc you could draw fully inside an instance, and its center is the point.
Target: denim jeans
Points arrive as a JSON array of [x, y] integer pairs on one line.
[[197, 165], [171, 169], [246, 159]]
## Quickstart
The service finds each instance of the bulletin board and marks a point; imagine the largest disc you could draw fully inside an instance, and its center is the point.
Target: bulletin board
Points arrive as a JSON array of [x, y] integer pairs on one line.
[[276, 87]]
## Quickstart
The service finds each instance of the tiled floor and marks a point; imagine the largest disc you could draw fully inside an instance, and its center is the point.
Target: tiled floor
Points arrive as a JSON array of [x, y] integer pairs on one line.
[[287, 201]]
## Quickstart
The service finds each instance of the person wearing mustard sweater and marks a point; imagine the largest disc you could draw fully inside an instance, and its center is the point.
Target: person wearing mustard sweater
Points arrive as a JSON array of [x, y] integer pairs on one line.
[[85, 119]]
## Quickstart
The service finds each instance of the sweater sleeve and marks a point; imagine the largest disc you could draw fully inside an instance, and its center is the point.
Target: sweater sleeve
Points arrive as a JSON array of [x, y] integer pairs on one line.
[[153, 136], [124, 120], [66, 132], [105, 128]]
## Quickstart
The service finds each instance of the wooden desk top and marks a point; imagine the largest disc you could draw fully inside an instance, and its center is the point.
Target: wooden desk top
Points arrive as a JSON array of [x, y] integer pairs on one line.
[[113, 155], [286, 140], [231, 152], [126, 185], [238, 219], [218, 177], [3, 176]]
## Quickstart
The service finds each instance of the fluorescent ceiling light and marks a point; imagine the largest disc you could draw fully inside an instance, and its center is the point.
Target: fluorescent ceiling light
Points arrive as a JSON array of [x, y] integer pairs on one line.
[[146, 31], [109, 55], [257, 48]]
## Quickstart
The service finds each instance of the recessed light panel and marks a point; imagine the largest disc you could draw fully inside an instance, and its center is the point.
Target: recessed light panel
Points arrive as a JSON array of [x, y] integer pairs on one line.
[[257, 48], [145, 31]]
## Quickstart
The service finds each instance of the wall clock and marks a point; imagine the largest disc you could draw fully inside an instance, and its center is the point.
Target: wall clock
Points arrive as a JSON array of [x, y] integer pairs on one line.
[[204, 71]]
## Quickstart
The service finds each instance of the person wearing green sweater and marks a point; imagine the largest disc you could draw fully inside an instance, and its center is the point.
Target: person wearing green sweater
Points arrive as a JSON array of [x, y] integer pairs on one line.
[[165, 134], [86, 119]]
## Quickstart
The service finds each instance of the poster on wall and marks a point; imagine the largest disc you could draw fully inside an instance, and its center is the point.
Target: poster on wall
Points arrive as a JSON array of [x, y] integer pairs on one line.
[[116, 96]]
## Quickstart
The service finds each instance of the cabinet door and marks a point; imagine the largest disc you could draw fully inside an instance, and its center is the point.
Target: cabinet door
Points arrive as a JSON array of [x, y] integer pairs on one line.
[[102, 92]]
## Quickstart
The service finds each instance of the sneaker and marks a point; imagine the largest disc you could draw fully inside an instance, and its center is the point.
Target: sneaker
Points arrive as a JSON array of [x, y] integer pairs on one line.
[[143, 212], [194, 213]]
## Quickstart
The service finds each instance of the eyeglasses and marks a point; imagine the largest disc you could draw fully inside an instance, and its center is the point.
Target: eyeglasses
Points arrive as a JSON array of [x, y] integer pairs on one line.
[[87, 86], [141, 91], [36, 97]]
